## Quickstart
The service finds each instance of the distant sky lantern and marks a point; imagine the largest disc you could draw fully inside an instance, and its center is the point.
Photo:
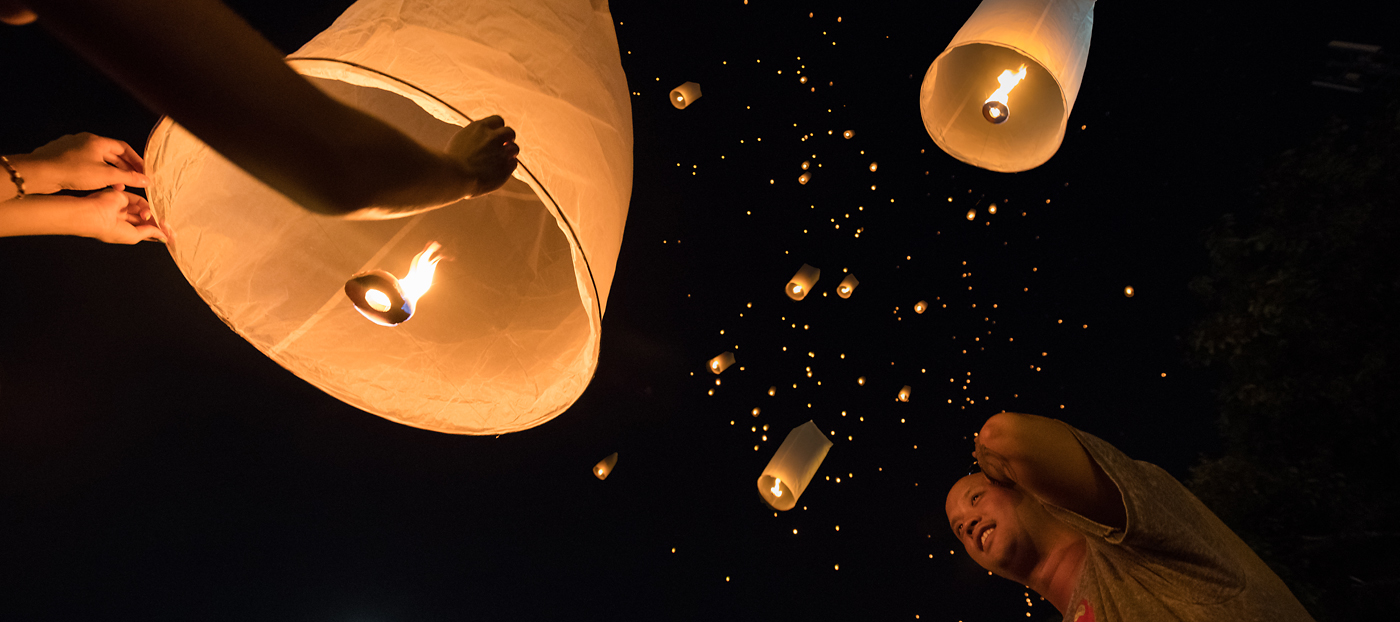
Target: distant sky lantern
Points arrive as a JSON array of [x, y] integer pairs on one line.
[[806, 165], [904, 394], [982, 108], [848, 133], [920, 306], [605, 466], [721, 362], [772, 391], [847, 286], [802, 282], [1128, 291], [804, 178], [860, 381], [685, 95], [793, 466], [873, 166], [992, 209], [972, 214], [508, 337]]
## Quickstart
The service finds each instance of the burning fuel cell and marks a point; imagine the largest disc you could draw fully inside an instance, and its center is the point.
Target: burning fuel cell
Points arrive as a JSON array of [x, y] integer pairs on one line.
[[999, 97], [388, 301]]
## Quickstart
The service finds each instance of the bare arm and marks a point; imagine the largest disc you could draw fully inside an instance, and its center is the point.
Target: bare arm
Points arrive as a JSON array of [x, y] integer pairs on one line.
[[1041, 456], [200, 63]]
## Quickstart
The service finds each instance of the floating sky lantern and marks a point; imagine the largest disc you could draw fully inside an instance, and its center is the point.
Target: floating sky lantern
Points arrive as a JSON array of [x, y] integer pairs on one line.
[[721, 362], [848, 134], [806, 164], [772, 391], [920, 306], [999, 97], [792, 467], [904, 394], [860, 381], [605, 466], [847, 286], [972, 214], [685, 95], [804, 178], [802, 282], [512, 333], [873, 166], [1128, 291], [992, 209]]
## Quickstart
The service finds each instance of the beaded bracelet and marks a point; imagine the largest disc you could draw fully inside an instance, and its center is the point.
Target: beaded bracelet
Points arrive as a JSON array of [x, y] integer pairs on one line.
[[14, 177]]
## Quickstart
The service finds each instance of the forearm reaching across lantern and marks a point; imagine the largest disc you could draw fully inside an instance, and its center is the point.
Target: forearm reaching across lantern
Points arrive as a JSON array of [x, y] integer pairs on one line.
[[1041, 456], [200, 63]]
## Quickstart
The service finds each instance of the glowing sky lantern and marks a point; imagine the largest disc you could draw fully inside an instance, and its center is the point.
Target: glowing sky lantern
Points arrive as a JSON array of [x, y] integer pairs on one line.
[[685, 95], [904, 394], [806, 165], [605, 466], [804, 178], [802, 282], [992, 209], [999, 97], [860, 381], [847, 286], [848, 133], [791, 469], [873, 166], [721, 363], [920, 306], [1128, 291], [972, 214], [508, 337]]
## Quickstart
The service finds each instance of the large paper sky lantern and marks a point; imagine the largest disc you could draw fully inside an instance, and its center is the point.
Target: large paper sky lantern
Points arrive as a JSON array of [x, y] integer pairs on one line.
[[1000, 95], [792, 466], [508, 335]]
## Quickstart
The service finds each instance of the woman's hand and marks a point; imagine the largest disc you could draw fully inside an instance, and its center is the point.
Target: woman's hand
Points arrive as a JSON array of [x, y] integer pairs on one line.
[[81, 162], [116, 217], [486, 148]]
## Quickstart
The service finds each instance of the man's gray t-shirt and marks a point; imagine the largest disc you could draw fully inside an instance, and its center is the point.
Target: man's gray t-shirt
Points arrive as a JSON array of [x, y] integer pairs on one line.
[[1175, 560]]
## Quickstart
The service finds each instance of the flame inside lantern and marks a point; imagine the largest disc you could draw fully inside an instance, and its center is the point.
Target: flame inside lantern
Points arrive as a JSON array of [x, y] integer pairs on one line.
[[389, 301], [776, 489], [995, 110]]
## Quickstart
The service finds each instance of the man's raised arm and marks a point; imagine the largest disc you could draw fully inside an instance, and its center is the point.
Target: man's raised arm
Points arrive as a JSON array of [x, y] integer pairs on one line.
[[1042, 456]]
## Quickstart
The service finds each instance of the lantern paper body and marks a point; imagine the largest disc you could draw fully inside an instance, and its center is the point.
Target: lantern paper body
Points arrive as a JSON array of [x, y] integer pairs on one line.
[[1049, 37], [848, 286], [802, 282], [792, 468], [904, 394], [721, 363], [508, 336], [605, 466], [685, 95]]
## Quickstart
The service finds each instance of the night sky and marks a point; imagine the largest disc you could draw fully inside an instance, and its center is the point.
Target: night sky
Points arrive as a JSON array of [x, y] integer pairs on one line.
[[153, 465]]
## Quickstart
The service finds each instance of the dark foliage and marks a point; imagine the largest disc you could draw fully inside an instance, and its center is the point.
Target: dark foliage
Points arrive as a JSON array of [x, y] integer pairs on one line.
[[1302, 326]]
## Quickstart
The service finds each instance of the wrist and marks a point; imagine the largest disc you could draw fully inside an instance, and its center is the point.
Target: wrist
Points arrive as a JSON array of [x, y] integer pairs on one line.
[[36, 173]]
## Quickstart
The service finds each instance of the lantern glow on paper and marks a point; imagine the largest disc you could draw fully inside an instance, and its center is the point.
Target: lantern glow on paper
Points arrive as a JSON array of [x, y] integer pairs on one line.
[[792, 467], [847, 286], [1050, 40], [514, 331], [721, 362], [802, 282], [685, 95], [904, 394], [388, 301], [605, 466]]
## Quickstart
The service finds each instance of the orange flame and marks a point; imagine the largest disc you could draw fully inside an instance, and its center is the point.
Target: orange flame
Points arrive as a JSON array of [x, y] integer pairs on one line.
[[1008, 80], [420, 273]]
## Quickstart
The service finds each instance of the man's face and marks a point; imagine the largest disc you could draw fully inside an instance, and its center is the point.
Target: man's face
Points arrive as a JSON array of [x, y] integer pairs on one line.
[[984, 517]]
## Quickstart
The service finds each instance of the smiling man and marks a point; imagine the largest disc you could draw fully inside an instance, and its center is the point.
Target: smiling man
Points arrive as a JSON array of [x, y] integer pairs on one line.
[[1101, 536]]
